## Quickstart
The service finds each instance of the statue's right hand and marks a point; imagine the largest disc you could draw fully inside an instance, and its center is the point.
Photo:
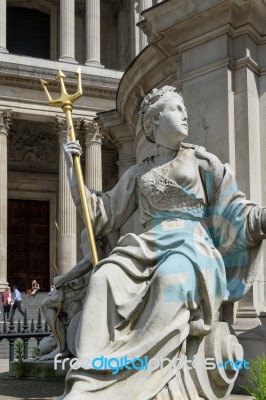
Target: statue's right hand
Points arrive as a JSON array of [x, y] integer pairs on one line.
[[71, 148]]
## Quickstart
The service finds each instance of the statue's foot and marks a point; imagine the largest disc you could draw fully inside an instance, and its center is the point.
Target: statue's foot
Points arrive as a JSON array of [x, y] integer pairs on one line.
[[51, 356]]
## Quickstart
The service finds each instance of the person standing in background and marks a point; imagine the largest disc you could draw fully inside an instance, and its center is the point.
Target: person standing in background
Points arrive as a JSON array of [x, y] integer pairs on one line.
[[17, 301], [6, 301]]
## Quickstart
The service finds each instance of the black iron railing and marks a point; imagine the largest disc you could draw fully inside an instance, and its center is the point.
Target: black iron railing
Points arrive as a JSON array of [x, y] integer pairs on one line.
[[24, 332]]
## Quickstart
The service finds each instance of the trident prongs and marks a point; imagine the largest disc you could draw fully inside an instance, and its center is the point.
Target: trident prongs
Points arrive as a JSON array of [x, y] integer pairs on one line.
[[44, 84], [65, 98]]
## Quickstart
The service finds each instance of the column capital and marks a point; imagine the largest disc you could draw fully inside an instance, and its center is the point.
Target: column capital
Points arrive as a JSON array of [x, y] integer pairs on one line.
[[92, 132], [106, 132], [60, 123], [5, 121], [77, 122], [61, 127]]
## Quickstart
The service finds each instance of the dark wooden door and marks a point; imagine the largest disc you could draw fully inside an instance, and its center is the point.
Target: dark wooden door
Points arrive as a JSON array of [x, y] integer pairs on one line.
[[28, 243]]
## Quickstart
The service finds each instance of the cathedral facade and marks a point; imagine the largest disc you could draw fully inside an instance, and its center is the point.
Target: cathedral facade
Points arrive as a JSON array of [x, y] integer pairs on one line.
[[39, 230]]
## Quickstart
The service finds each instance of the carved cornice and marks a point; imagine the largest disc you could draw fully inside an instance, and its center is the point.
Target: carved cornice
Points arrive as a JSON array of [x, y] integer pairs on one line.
[[179, 23], [27, 177], [26, 79], [5, 121]]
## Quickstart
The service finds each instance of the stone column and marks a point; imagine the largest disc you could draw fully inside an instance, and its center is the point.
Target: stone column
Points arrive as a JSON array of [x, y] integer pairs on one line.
[[3, 27], [249, 326], [79, 221], [126, 160], [144, 4], [126, 155], [93, 140], [93, 33], [248, 161], [66, 211], [5, 121], [67, 31]]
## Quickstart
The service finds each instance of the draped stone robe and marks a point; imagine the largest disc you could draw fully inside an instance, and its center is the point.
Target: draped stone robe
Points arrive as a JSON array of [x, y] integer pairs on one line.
[[198, 248]]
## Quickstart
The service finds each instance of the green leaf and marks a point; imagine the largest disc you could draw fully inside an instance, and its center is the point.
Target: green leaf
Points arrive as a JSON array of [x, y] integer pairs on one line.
[[257, 379]]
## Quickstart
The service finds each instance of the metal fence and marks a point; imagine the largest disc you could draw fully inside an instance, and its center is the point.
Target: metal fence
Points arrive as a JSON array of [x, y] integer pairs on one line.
[[24, 331]]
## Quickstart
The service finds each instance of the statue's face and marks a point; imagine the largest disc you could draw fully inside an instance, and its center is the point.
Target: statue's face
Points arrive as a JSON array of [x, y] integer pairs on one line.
[[171, 123]]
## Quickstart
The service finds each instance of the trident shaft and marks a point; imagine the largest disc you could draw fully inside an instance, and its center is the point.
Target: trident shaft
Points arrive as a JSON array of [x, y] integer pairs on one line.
[[66, 101]]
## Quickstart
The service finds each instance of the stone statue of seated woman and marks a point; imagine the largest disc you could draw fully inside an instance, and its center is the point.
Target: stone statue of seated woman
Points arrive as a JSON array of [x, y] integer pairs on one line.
[[158, 295]]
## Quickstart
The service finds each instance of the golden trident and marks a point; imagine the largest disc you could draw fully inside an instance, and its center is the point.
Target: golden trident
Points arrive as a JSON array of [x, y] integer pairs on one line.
[[66, 101]]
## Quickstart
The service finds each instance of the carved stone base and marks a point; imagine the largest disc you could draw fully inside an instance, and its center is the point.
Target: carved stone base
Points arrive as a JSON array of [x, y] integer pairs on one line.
[[220, 345]]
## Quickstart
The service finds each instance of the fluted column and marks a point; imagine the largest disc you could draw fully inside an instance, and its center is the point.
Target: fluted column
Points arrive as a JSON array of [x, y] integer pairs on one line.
[[126, 155], [3, 27], [67, 252], [79, 221], [126, 160], [5, 121], [93, 33], [67, 30], [144, 4], [93, 140]]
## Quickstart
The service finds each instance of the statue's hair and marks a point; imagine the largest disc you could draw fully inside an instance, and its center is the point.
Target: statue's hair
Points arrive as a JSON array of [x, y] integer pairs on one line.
[[152, 104]]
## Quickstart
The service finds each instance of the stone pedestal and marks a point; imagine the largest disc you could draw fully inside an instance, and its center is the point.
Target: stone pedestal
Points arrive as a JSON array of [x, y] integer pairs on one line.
[[5, 121]]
